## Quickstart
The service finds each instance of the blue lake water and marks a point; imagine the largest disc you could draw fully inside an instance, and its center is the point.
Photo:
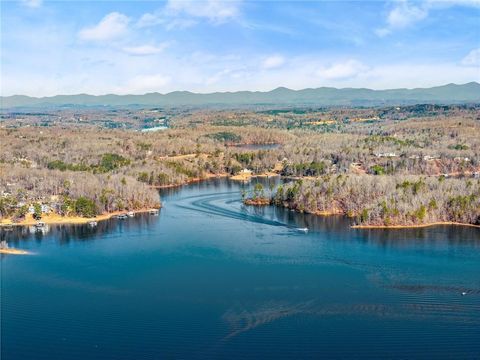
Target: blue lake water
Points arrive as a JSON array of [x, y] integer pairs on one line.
[[209, 278]]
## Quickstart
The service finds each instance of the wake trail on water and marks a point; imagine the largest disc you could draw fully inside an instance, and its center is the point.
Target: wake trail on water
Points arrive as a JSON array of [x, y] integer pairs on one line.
[[204, 204]]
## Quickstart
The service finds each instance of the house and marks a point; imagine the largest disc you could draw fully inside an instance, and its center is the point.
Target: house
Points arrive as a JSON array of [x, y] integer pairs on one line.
[[44, 208], [246, 172], [386, 154]]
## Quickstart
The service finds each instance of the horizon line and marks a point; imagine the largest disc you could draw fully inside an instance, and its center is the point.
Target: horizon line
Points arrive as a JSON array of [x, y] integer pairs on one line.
[[238, 91]]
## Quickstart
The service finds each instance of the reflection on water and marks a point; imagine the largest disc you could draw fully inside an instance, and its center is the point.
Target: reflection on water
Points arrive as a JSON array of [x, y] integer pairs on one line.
[[212, 278], [438, 236], [64, 233]]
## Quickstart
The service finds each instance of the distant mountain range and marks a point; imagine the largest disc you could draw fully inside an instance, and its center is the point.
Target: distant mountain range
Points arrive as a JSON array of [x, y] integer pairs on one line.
[[324, 96]]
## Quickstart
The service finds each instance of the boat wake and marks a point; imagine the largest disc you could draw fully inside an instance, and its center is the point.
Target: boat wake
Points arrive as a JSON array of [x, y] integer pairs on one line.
[[229, 205]]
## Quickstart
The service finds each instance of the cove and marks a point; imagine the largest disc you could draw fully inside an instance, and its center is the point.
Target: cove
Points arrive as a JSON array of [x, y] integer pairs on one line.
[[210, 278]]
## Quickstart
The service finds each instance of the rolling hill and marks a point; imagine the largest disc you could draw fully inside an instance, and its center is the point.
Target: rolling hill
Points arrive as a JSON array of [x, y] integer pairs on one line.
[[324, 96]]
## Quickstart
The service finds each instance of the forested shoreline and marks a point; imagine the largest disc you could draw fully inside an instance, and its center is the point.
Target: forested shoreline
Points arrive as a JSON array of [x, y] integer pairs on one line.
[[386, 201], [381, 169]]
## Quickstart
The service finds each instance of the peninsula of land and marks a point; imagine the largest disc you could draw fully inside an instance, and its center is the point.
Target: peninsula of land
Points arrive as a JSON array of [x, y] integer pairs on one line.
[[383, 167]]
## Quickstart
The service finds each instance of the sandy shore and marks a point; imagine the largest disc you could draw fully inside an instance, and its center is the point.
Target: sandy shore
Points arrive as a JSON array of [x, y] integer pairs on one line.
[[327, 213], [413, 226], [14, 251], [257, 202], [53, 218], [247, 176], [241, 177]]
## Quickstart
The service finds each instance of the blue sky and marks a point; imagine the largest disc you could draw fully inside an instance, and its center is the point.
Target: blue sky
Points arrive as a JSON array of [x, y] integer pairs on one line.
[[99, 47]]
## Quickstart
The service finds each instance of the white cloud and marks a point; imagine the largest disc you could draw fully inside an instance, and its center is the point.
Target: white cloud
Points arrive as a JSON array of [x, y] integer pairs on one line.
[[217, 77], [186, 13], [159, 18], [448, 3], [144, 50], [383, 32], [149, 19], [112, 26], [273, 62], [415, 75], [472, 58], [141, 84], [341, 71], [96, 72], [405, 13], [217, 11], [32, 3]]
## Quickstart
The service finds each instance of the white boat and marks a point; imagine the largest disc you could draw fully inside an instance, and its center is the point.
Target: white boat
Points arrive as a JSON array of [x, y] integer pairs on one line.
[[92, 223], [130, 214], [302, 229], [121, 216], [40, 225]]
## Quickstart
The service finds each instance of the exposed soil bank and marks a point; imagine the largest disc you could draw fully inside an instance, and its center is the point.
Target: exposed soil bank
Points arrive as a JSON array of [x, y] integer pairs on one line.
[[413, 225], [257, 202], [12, 251]]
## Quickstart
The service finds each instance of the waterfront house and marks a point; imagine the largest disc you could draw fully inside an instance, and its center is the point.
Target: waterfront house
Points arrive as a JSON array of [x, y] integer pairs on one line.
[[460, 159], [386, 154], [246, 172]]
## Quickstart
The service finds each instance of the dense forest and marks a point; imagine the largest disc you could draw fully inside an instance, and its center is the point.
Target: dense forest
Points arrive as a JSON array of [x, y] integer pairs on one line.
[[380, 166], [386, 200]]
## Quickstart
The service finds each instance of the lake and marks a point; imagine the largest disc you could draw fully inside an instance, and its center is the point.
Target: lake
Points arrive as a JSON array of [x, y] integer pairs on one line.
[[210, 278], [253, 147]]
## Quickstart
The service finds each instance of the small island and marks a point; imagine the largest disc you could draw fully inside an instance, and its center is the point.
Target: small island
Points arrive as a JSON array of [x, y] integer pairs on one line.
[[258, 196]]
